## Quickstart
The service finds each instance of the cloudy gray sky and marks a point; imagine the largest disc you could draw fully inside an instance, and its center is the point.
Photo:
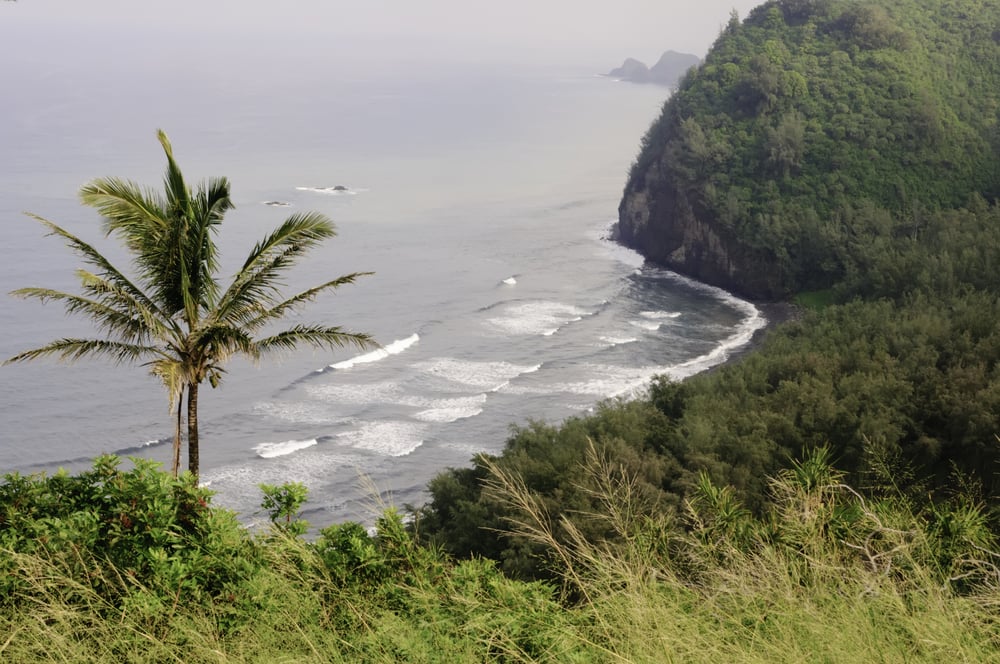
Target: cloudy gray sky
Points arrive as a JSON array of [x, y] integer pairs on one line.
[[555, 30]]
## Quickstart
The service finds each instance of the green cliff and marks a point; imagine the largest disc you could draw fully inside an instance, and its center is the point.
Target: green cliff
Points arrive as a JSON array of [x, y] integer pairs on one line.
[[812, 129]]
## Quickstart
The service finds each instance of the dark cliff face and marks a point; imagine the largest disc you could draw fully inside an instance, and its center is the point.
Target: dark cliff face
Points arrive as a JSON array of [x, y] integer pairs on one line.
[[674, 228]]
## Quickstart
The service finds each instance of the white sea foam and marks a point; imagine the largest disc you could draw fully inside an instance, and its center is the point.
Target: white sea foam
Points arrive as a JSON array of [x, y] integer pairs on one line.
[[510, 281], [271, 450], [475, 373], [660, 315], [744, 333], [305, 412], [389, 438], [606, 235], [396, 347], [450, 410], [604, 381], [355, 393], [651, 326], [753, 320], [537, 318], [618, 341], [276, 203]]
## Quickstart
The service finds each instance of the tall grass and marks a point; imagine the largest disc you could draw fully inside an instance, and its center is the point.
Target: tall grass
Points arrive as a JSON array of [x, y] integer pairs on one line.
[[825, 575]]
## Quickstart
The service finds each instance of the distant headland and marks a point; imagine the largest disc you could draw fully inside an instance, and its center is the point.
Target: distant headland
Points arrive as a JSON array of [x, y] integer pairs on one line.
[[668, 70]]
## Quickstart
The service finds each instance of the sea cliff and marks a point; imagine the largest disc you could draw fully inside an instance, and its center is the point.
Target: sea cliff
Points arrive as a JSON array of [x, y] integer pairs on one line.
[[814, 131]]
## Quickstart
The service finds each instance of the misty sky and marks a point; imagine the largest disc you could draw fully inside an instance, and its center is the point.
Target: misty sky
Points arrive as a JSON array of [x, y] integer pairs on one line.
[[559, 31]]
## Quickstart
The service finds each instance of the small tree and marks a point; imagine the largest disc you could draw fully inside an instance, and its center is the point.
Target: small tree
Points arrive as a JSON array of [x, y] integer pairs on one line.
[[172, 315]]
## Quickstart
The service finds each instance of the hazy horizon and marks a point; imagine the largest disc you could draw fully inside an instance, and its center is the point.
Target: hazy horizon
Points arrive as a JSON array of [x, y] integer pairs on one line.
[[186, 32]]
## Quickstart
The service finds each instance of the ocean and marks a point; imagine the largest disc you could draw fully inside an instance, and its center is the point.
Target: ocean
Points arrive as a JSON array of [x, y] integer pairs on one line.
[[482, 199]]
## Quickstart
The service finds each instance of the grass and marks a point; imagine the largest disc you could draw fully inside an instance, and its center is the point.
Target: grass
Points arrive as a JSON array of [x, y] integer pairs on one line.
[[816, 300], [718, 585]]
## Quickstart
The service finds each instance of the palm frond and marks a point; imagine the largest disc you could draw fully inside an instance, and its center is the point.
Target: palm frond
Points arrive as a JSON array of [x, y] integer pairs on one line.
[[136, 215], [108, 271], [171, 372], [220, 342], [71, 350], [255, 287], [290, 304], [302, 230], [124, 324], [318, 336], [110, 294], [211, 203], [178, 194]]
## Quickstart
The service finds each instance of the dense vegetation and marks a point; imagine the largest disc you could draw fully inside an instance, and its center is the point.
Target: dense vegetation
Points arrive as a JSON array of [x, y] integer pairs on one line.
[[135, 566], [809, 117], [900, 379], [832, 496]]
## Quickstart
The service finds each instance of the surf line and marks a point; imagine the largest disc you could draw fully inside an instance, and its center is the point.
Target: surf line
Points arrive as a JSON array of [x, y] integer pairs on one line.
[[395, 348]]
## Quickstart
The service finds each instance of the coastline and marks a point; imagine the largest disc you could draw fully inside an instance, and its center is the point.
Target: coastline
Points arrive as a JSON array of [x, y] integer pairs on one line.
[[776, 314]]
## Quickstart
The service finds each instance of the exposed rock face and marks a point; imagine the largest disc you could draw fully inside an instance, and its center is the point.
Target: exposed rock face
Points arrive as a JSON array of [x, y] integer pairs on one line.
[[667, 71], [671, 228]]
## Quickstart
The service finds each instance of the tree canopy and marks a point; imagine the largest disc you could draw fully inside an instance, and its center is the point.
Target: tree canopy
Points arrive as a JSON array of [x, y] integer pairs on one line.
[[814, 125]]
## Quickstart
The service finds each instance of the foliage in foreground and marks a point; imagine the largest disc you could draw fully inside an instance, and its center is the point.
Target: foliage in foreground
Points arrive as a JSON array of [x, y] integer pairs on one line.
[[822, 573]]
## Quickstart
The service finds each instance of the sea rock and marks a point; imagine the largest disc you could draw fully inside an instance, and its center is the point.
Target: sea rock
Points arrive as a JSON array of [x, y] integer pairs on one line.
[[668, 70], [671, 67], [631, 70]]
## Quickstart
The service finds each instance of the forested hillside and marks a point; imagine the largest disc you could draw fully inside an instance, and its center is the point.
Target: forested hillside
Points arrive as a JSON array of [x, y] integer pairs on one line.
[[894, 218], [813, 127]]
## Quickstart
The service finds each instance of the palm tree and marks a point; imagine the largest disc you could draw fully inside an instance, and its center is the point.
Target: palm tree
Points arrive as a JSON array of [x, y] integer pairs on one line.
[[172, 315]]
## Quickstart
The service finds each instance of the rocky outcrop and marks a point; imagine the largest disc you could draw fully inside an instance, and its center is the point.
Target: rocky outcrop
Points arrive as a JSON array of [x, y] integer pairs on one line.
[[631, 70], [668, 70], [671, 67]]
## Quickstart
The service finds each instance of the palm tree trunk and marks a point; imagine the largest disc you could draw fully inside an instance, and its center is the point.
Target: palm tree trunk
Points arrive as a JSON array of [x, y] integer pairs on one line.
[[193, 429], [177, 435]]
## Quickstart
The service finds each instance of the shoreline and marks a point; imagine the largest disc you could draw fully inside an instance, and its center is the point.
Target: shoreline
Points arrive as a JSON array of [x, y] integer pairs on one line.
[[776, 314]]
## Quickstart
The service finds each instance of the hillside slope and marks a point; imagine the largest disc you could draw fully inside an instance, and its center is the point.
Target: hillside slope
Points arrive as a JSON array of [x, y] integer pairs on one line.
[[811, 128]]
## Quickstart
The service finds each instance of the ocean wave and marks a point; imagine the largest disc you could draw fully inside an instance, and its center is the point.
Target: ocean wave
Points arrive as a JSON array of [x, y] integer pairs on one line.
[[741, 337], [649, 326], [272, 450], [543, 318], [449, 410], [396, 347], [480, 374], [388, 438], [302, 412], [619, 341], [660, 315], [607, 237], [510, 281], [355, 393], [133, 449], [753, 320], [603, 382], [276, 203]]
